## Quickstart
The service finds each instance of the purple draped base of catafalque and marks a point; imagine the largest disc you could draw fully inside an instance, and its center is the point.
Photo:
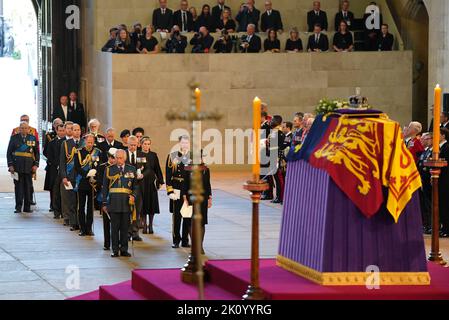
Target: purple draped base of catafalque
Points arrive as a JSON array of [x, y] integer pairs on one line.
[[325, 237]]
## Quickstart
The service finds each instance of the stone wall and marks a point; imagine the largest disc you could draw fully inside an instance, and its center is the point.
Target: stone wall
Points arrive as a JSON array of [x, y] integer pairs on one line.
[[138, 90]]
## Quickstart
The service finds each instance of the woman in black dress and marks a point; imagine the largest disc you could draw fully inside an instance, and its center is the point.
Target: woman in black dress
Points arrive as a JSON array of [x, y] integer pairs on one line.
[[272, 43], [294, 43], [205, 19], [207, 198], [226, 22], [124, 43], [148, 43], [153, 180], [343, 40]]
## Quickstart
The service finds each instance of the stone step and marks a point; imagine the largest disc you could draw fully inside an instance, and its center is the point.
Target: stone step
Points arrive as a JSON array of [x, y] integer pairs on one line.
[[121, 291]]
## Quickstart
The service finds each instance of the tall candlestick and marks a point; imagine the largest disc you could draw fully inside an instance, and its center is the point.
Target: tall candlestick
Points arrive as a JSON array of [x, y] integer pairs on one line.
[[257, 110], [436, 122], [198, 99]]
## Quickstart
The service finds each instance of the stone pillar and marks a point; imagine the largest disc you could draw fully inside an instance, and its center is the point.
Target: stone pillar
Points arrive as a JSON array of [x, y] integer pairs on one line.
[[438, 45]]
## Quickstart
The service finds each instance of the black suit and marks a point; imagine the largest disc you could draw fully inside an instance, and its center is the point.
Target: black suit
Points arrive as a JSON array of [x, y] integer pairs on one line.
[[202, 44], [105, 146], [162, 21], [247, 17], [52, 180], [58, 112], [137, 163], [322, 44], [255, 44], [444, 190], [79, 114], [385, 43], [272, 21], [349, 19], [188, 21], [313, 19]]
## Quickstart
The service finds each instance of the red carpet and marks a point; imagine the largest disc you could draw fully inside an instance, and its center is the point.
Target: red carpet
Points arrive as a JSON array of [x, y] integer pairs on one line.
[[230, 279]]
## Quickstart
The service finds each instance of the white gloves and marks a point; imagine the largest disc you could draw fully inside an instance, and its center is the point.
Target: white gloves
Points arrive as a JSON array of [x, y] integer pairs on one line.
[[92, 173], [172, 196]]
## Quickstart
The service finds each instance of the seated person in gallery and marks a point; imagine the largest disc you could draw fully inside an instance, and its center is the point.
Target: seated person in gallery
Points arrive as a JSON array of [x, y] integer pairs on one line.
[[316, 16], [136, 34], [148, 43], [124, 43], [271, 19], [176, 43], [344, 15], [110, 44], [272, 43], [386, 40], [318, 41], [226, 22], [251, 43], [294, 43], [343, 40], [202, 41], [224, 44]]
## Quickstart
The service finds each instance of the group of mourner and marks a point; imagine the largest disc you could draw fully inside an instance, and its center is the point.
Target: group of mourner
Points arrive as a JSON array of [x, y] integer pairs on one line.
[[121, 179]]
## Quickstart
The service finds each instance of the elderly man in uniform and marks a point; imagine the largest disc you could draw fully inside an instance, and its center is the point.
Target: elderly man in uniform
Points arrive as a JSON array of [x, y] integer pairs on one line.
[[118, 196], [100, 177], [67, 173], [175, 175], [94, 129], [86, 164], [23, 161]]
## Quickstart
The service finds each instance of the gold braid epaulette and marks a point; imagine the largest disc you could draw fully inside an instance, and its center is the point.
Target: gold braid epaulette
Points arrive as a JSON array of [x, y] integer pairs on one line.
[[88, 159], [72, 153], [112, 179]]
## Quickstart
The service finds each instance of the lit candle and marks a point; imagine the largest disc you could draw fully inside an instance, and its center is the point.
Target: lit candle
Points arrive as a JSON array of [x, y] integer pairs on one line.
[[198, 99], [436, 122], [257, 110]]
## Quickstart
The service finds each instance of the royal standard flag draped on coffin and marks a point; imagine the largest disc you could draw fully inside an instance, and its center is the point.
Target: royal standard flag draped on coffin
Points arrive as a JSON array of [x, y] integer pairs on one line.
[[363, 156]]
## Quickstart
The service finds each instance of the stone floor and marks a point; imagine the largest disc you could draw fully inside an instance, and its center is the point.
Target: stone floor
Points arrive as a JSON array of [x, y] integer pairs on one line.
[[38, 255]]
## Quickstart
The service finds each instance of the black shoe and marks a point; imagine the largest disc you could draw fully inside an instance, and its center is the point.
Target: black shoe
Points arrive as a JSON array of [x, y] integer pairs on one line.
[[105, 248], [82, 234], [185, 245], [125, 254], [90, 233], [33, 203], [17, 211], [266, 198], [175, 246], [66, 224], [74, 228], [115, 255], [137, 238], [150, 230], [27, 210], [50, 210], [276, 201]]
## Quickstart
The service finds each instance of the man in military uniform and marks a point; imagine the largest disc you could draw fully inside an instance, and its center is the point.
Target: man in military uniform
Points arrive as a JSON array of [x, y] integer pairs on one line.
[[52, 152], [175, 173], [87, 161], [94, 129], [298, 129], [100, 177], [426, 191], [118, 196], [35, 133], [134, 157], [23, 161], [67, 172]]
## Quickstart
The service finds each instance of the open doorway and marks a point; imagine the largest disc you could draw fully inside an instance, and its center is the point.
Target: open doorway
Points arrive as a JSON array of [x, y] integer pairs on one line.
[[18, 66]]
